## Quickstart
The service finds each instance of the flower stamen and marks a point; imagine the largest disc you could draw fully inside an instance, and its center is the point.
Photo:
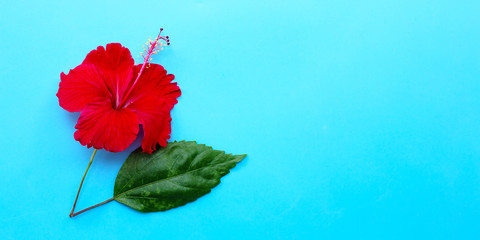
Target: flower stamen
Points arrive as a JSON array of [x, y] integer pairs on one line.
[[151, 47]]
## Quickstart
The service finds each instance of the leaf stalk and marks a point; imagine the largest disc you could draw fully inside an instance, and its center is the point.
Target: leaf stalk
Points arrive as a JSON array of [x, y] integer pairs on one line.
[[81, 183], [94, 206]]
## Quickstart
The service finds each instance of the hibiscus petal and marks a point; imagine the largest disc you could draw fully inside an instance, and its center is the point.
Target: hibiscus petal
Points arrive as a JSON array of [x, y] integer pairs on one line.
[[104, 73], [155, 81], [82, 85], [113, 58], [101, 126], [116, 64], [152, 98], [155, 121]]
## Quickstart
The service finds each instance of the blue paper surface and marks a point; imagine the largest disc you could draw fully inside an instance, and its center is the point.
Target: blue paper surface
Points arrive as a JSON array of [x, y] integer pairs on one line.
[[360, 119]]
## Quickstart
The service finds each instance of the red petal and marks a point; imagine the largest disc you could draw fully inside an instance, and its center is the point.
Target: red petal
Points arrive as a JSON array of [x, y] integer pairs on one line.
[[81, 86], [155, 82], [116, 63], [113, 58], [101, 126], [155, 121], [104, 73], [152, 99]]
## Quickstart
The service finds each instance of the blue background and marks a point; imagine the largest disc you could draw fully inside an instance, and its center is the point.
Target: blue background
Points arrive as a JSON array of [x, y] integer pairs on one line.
[[361, 119]]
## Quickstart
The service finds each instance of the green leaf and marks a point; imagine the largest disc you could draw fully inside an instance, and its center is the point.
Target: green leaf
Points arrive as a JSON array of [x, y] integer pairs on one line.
[[172, 176]]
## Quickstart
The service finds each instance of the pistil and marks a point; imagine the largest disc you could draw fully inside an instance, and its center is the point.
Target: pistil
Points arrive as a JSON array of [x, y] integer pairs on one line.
[[154, 46]]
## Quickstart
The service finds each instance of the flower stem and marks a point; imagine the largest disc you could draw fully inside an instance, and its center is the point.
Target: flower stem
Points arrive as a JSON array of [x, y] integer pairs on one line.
[[94, 206], [81, 183]]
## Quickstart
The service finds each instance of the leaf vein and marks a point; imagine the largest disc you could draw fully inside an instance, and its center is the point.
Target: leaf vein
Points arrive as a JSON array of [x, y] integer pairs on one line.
[[157, 181]]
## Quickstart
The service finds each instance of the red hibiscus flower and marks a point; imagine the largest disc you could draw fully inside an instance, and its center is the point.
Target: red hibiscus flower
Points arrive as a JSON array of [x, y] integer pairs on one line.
[[115, 96]]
